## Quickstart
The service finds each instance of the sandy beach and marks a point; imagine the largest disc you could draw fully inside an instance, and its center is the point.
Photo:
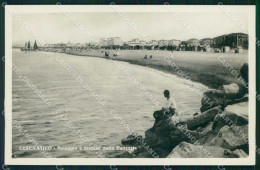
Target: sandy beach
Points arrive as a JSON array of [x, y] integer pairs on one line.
[[202, 67]]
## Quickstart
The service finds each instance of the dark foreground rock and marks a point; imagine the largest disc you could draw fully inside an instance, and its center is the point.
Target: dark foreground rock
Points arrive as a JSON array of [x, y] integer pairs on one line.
[[203, 118], [188, 150], [222, 97], [166, 133], [228, 118], [131, 140], [244, 72], [232, 138]]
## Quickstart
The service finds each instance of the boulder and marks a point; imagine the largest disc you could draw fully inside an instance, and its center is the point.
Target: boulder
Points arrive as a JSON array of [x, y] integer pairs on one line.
[[240, 153], [228, 118], [222, 96], [178, 135], [240, 100], [232, 138], [231, 89], [207, 134], [244, 72], [151, 138], [203, 118], [163, 124], [241, 109], [212, 98], [131, 140], [187, 150], [120, 154]]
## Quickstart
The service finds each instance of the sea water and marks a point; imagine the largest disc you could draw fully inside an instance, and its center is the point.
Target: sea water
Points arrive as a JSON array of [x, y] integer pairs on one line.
[[129, 92]]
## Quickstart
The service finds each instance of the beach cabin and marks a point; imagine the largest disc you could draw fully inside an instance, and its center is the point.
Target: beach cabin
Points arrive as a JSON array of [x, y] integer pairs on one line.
[[239, 49], [225, 49]]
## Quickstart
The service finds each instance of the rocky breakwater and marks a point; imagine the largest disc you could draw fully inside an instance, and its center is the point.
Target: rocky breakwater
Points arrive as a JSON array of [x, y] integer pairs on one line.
[[219, 131]]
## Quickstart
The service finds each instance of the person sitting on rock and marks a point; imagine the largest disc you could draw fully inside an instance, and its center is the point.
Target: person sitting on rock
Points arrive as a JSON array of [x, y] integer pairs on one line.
[[170, 105], [168, 111]]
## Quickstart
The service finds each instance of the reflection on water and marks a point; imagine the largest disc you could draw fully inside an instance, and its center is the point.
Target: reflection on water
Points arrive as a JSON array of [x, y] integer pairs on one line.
[[82, 109]]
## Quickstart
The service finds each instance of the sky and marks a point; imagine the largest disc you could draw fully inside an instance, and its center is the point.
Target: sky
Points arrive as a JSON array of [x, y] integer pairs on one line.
[[86, 27]]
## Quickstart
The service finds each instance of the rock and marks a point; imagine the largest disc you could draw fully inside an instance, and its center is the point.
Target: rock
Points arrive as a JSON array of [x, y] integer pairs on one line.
[[120, 154], [187, 150], [131, 140], [177, 136], [163, 124], [151, 138], [244, 72], [212, 98], [228, 118], [232, 138], [203, 118], [240, 153], [144, 154], [227, 93], [207, 135], [233, 91], [241, 109], [240, 100], [164, 136], [207, 138]]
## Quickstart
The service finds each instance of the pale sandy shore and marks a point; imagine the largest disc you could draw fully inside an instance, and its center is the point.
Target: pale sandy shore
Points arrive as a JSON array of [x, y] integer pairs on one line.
[[202, 67]]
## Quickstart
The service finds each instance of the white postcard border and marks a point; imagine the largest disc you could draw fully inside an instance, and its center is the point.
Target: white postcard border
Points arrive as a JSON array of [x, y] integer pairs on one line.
[[250, 10]]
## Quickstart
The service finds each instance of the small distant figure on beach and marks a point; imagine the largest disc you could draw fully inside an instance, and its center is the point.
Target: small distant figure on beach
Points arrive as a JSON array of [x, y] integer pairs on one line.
[[106, 54], [117, 52], [151, 56], [145, 57], [114, 56]]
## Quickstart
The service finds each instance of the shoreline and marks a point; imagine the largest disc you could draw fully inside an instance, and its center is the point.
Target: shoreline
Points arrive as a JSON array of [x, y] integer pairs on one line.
[[188, 70]]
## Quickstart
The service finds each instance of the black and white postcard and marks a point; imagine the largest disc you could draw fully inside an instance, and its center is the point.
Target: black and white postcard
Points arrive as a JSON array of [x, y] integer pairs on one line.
[[130, 85]]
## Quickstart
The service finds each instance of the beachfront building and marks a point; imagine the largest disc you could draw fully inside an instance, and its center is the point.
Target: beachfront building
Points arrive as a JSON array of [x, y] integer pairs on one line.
[[69, 45], [237, 40], [173, 44], [192, 44], [163, 43], [58, 47], [113, 42], [154, 42], [103, 42], [135, 44], [233, 40], [206, 41], [183, 46], [206, 45]]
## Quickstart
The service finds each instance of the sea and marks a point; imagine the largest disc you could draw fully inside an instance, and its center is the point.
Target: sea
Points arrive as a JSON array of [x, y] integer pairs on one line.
[[57, 111]]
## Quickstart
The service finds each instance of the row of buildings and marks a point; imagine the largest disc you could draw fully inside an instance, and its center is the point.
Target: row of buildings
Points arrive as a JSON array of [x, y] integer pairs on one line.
[[229, 41], [222, 43]]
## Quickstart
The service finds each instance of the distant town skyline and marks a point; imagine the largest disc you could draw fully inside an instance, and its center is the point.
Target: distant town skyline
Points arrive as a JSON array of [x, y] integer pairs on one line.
[[59, 27]]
